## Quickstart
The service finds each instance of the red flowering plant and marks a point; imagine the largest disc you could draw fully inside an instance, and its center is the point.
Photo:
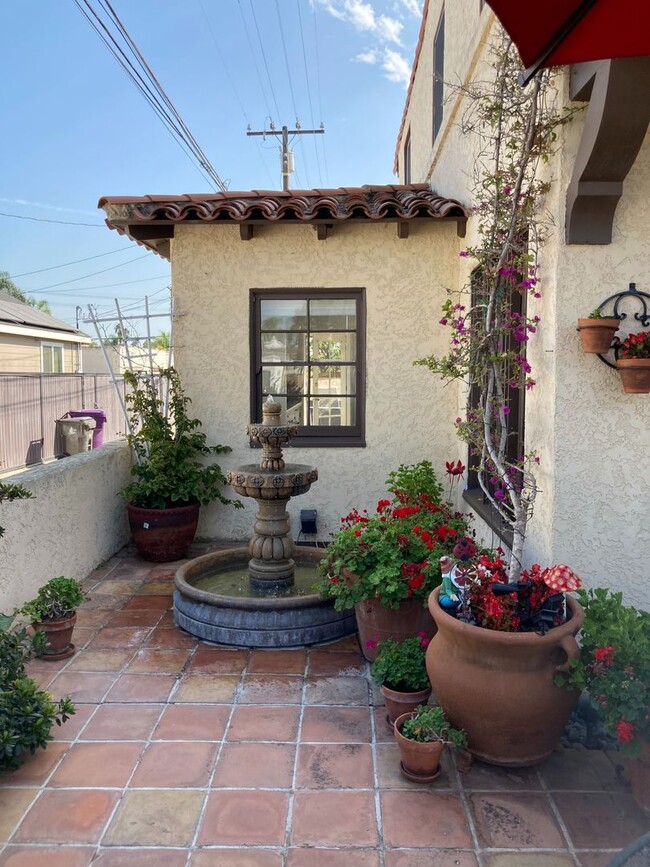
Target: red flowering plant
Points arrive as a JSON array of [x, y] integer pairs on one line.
[[635, 346], [394, 553], [614, 666]]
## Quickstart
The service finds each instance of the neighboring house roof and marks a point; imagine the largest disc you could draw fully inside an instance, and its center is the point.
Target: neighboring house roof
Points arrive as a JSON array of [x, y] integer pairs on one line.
[[21, 318], [150, 219]]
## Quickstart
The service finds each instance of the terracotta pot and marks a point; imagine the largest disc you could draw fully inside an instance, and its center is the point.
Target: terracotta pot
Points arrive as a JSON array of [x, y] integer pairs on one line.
[[635, 375], [597, 334], [499, 686], [163, 534], [59, 637], [638, 772], [375, 623], [399, 703], [420, 761]]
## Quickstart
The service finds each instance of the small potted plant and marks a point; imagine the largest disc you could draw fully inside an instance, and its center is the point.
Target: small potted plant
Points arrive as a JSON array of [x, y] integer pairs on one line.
[[421, 737], [170, 479], [634, 363], [53, 612], [597, 331], [400, 671]]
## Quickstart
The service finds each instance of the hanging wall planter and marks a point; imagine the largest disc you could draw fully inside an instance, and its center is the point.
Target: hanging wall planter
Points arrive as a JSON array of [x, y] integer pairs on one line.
[[597, 333], [635, 375]]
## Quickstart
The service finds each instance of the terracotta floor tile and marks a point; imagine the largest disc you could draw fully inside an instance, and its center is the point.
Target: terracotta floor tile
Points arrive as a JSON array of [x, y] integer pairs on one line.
[[334, 819], [13, 806], [175, 764], [350, 644], [137, 617], [259, 723], [216, 660], [383, 731], [271, 689], [429, 858], [162, 817], [337, 690], [71, 728], [251, 765], [100, 660], [118, 586], [336, 664], [596, 859], [170, 636], [159, 659], [107, 765], [390, 776], [491, 778], [236, 858], [93, 616], [37, 768], [142, 687], [110, 603], [83, 635], [244, 818], [81, 687], [159, 587], [529, 859], [129, 722], [309, 857], [40, 856], [219, 688], [335, 766], [336, 725], [277, 662], [581, 770], [143, 858], [192, 722], [119, 637], [159, 603], [518, 821], [601, 820], [67, 816], [426, 818]]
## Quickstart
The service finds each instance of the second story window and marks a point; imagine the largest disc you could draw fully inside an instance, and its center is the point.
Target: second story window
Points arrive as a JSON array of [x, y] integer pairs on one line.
[[438, 74]]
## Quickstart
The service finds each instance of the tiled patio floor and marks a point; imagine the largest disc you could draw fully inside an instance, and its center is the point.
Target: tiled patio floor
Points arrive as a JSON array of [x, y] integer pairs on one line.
[[183, 753]]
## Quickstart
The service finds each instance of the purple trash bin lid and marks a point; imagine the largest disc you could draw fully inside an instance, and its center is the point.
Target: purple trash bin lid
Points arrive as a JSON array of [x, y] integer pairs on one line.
[[100, 420]]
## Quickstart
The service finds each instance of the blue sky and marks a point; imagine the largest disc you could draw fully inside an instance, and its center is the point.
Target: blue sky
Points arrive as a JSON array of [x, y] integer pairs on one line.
[[75, 127]]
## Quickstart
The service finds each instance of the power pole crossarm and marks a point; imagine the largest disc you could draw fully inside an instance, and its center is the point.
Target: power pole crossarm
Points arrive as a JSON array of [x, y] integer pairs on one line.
[[283, 134]]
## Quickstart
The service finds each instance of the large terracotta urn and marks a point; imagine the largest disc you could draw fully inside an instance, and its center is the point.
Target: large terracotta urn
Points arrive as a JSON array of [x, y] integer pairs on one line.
[[499, 686], [376, 622], [163, 535]]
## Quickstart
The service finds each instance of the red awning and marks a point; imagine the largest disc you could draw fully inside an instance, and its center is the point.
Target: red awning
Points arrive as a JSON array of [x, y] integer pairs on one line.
[[558, 32]]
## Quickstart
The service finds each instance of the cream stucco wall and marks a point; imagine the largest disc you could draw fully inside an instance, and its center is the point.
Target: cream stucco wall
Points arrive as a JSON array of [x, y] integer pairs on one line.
[[593, 508], [75, 521], [406, 412]]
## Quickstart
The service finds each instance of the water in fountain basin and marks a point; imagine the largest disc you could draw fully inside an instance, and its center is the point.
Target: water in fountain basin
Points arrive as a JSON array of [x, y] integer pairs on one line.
[[234, 582]]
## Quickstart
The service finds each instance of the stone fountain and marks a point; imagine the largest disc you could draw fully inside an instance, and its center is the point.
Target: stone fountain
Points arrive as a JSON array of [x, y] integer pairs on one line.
[[262, 597]]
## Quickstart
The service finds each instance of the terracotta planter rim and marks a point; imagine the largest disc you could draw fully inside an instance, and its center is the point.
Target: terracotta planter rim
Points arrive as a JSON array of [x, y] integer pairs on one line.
[[399, 722], [633, 362], [514, 639], [179, 509]]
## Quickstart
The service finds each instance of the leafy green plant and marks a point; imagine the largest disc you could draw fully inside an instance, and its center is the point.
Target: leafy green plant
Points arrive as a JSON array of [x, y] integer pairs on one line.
[[56, 600], [169, 448], [401, 665], [27, 713], [614, 666], [10, 492], [394, 554], [596, 314], [430, 724]]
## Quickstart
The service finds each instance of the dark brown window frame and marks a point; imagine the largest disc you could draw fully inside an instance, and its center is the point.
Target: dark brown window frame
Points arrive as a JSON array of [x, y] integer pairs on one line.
[[313, 435], [437, 97]]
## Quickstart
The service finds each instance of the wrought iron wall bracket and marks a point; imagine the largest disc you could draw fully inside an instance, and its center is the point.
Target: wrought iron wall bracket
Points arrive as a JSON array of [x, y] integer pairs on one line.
[[642, 315]]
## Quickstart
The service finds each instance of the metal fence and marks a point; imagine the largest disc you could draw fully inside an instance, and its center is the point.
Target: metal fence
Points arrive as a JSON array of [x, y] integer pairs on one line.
[[30, 403]]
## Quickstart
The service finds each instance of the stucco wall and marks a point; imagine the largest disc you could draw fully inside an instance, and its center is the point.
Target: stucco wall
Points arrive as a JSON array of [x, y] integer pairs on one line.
[[75, 521], [407, 413]]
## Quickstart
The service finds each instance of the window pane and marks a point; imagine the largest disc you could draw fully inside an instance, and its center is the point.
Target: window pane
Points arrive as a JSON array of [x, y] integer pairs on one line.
[[282, 379], [333, 313], [330, 346], [332, 411], [333, 379], [57, 353], [279, 315], [284, 347], [295, 412]]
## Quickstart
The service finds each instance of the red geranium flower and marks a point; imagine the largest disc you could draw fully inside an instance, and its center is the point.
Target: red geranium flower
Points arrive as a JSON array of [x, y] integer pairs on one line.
[[604, 655], [625, 731]]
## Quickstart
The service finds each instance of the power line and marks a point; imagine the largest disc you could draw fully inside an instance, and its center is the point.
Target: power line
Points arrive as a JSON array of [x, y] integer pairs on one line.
[[252, 51], [266, 65], [318, 87], [84, 276], [293, 97], [65, 264], [311, 107], [109, 285], [44, 220]]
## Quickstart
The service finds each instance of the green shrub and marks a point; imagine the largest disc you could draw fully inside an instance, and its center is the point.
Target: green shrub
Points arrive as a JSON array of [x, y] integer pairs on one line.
[[401, 665], [56, 600], [430, 724]]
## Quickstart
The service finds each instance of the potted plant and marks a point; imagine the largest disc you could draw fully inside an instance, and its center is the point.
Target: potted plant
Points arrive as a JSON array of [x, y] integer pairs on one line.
[[170, 480], [400, 671], [614, 667], [53, 612], [597, 331], [633, 363], [385, 564], [421, 736]]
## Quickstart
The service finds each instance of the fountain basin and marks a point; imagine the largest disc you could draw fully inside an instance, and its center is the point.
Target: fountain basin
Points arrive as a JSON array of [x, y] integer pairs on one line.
[[286, 620], [252, 481]]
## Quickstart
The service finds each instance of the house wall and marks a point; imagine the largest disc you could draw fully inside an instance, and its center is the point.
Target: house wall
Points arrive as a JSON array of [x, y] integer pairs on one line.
[[406, 411], [593, 506], [20, 354], [75, 521]]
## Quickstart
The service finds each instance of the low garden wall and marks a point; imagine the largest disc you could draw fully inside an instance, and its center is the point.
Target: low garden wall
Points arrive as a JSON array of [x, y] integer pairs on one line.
[[75, 521]]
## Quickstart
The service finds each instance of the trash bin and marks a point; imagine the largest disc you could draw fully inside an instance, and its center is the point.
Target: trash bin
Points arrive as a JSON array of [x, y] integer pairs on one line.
[[100, 420], [73, 435]]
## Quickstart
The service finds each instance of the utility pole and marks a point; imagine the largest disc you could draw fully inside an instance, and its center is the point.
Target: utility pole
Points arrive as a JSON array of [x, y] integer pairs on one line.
[[286, 156]]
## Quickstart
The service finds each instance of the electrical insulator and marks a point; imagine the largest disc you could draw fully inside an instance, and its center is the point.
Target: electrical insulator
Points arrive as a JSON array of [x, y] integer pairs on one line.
[[290, 167]]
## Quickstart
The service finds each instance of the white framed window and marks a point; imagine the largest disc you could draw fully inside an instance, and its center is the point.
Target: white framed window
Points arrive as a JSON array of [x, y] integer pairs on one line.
[[52, 357]]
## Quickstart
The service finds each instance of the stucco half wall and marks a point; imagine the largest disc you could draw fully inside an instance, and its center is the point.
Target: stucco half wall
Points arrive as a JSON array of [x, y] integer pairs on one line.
[[75, 521], [408, 413]]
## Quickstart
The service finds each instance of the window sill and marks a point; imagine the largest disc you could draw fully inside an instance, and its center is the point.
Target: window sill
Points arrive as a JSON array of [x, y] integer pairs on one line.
[[475, 498], [307, 442]]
